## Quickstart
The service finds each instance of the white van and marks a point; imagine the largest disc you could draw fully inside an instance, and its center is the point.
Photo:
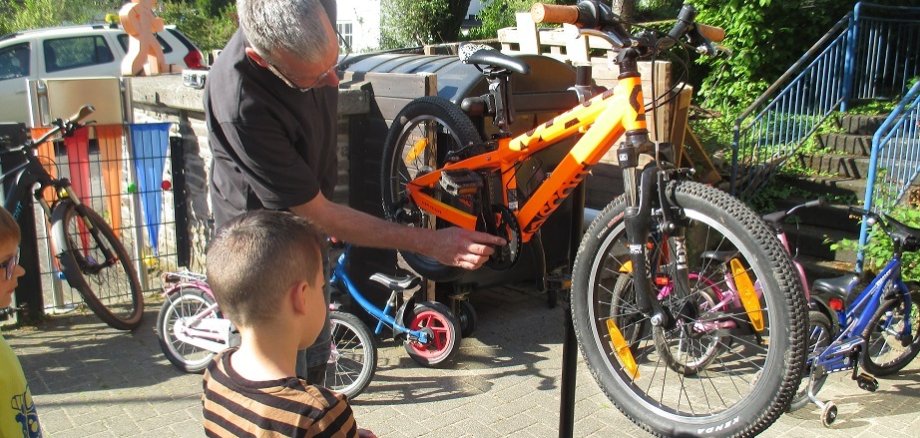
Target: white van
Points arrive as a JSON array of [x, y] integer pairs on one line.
[[73, 52]]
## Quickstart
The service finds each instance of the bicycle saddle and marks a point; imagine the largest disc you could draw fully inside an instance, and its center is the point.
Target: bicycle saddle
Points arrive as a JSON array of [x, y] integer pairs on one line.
[[396, 283], [837, 287], [480, 54]]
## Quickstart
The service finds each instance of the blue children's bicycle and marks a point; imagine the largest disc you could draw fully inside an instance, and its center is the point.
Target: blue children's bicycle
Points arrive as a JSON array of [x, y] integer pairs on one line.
[[875, 328], [428, 330]]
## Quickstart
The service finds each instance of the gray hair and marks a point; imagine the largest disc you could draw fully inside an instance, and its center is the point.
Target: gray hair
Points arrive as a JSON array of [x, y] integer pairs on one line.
[[295, 26]]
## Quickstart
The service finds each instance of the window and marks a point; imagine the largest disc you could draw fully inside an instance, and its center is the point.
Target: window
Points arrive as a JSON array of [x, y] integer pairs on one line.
[[75, 52], [123, 42], [14, 61], [344, 29]]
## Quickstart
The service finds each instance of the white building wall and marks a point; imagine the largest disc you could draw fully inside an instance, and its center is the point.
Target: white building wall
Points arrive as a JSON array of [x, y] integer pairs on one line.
[[475, 7], [364, 16]]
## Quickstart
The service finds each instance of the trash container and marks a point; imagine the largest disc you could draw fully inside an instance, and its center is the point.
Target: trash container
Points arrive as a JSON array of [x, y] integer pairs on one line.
[[537, 97]]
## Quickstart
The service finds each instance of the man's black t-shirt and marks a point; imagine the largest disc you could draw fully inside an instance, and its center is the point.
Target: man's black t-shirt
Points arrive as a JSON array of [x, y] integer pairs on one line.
[[274, 147]]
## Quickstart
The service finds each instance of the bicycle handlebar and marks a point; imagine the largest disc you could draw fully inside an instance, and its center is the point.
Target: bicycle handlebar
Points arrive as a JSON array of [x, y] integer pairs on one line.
[[591, 14], [66, 125]]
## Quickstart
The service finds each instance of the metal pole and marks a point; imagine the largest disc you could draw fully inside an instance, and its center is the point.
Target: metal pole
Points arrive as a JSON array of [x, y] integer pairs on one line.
[[570, 346]]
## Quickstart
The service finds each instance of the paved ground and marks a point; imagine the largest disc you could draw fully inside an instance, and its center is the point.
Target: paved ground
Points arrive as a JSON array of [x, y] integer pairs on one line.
[[92, 381]]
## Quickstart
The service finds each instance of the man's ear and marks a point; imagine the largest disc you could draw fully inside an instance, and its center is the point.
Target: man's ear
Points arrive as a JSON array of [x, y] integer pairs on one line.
[[255, 57], [298, 295]]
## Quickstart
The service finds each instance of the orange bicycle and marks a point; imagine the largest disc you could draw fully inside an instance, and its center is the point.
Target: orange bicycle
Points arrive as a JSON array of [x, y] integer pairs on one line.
[[669, 353]]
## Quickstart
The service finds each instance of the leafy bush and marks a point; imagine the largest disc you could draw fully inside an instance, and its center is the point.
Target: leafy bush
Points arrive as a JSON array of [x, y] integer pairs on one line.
[[879, 248], [413, 23], [206, 31]]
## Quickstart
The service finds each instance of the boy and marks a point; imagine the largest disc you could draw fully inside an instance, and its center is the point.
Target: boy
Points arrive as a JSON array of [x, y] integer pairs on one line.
[[266, 271], [17, 412]]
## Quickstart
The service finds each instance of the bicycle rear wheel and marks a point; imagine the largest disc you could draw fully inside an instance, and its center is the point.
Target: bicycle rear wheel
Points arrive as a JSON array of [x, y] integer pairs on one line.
[[97, 265], [417, 143], [819, 337], [890, 346], [748, 382], [353, 359], [189, 302]]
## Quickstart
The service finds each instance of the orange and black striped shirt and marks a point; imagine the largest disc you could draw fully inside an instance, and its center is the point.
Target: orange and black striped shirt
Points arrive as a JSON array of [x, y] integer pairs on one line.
[[236, 407]]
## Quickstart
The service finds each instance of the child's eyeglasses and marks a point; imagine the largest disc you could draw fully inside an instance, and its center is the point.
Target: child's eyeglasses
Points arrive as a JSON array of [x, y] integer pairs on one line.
[[10, 265]]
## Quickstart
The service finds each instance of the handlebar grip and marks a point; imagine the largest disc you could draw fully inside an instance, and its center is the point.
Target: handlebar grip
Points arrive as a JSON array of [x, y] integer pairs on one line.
[[544, 13], [84, 111], [711, 33]]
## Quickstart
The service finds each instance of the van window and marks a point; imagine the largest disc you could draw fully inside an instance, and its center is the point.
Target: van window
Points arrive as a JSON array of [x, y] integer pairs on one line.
[[75, 52], [123, 41], [14, 61]]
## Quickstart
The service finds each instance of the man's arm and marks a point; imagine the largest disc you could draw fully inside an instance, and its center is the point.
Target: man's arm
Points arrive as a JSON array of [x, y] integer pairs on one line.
[[449, 246]]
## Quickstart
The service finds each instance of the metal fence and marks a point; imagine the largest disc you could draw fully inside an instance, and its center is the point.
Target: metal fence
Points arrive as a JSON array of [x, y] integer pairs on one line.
[[894, 162], [129, 183], [870, 53]]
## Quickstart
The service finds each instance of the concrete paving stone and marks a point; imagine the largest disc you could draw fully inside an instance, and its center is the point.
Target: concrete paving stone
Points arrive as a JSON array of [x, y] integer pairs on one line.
[[163, 420], [191, 428]]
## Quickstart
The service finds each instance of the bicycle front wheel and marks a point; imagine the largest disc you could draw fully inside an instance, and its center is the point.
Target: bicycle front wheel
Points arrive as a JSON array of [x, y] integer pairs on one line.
[[97, 265], [186, 304], [421, 136], [353, 359], [745, 383], [892, 336]]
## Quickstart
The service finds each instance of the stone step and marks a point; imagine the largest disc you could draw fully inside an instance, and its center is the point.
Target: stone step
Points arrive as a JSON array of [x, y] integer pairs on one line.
[[815, 242], [850, 166], [859, 124], [846, 144], [852, 190]]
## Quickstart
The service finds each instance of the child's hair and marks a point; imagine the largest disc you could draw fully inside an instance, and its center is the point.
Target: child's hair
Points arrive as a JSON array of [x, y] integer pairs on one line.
[[256, 257], [9, 229]]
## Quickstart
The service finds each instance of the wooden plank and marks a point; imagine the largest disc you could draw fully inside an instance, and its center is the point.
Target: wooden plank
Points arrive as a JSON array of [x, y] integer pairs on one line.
[[681, 108], [393, 91], [528, 37]]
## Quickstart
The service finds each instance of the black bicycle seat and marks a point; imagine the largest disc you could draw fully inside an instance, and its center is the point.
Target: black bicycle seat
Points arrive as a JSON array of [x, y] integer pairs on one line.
[[484, 55], [909, 236], [835, 287], [396, 283]]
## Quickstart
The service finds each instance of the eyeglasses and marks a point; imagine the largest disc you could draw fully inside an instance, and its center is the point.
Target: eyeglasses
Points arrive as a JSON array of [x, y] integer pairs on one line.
[[10, 265], [334, 70]]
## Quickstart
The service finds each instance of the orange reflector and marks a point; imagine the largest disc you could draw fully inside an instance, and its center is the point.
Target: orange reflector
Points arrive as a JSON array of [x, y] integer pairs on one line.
[[417, 149], [836, 304], [626, 268], [748, 294], [622, 349]]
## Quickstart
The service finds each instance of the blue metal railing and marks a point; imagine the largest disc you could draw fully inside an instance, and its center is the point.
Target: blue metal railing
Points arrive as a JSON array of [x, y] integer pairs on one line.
[[894, 162], [870, 53], [770, 130]]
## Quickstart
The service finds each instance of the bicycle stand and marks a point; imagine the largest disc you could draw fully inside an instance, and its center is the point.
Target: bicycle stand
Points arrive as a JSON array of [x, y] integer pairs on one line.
[[569, 345]]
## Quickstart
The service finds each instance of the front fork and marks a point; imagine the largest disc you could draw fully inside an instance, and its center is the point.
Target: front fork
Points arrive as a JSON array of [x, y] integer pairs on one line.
[[640, 186]]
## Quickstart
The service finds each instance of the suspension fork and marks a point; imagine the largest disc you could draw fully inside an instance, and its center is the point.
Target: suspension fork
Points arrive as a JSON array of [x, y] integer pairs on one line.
[[638, 225]]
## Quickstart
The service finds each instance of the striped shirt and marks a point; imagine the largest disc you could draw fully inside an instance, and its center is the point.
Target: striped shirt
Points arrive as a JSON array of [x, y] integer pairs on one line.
[[236, 407]]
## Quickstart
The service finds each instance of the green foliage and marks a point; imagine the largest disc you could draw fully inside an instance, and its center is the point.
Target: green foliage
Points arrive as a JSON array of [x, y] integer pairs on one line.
[[879, 248], [413, 23], [31, 14], [205, 30], [497, 14]]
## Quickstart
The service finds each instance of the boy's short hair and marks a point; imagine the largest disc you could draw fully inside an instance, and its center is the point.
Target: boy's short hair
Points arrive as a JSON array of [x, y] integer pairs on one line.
[[9, 229], [256, 257]]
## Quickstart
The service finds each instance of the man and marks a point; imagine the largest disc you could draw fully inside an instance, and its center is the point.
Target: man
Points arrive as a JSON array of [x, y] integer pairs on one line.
[[270, 104]]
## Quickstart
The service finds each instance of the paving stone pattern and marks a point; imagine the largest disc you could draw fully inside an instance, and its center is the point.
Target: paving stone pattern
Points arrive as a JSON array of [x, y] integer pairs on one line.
[[92, 381]]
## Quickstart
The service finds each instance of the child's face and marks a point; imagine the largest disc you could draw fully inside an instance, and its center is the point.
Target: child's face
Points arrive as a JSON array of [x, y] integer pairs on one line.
[[315, 319], [9, 249]]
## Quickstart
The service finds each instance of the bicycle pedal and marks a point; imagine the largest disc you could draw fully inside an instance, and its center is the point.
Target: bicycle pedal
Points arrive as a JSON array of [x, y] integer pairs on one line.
[[461, 182], [867, 382]]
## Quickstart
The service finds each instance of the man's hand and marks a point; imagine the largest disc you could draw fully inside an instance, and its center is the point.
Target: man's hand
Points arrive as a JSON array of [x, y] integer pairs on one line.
[[462, 248]]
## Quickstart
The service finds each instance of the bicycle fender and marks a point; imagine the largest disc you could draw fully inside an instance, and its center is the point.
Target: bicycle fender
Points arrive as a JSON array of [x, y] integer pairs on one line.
[[58, 231], [818, 303]]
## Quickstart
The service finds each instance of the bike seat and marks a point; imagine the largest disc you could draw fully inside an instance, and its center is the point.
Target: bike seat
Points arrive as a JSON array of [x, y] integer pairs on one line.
[[835, 287], [484, 55], [719, 256], [396, 283]]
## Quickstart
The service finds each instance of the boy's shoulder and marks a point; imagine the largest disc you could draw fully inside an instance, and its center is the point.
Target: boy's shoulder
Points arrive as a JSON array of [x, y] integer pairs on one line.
[[220, 377]]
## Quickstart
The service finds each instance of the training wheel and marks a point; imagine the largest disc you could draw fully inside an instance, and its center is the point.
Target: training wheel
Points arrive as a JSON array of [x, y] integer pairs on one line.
[[829, 414]]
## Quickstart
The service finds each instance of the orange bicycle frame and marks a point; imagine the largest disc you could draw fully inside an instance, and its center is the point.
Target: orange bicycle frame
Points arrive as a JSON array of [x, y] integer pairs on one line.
[[601, 120]]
